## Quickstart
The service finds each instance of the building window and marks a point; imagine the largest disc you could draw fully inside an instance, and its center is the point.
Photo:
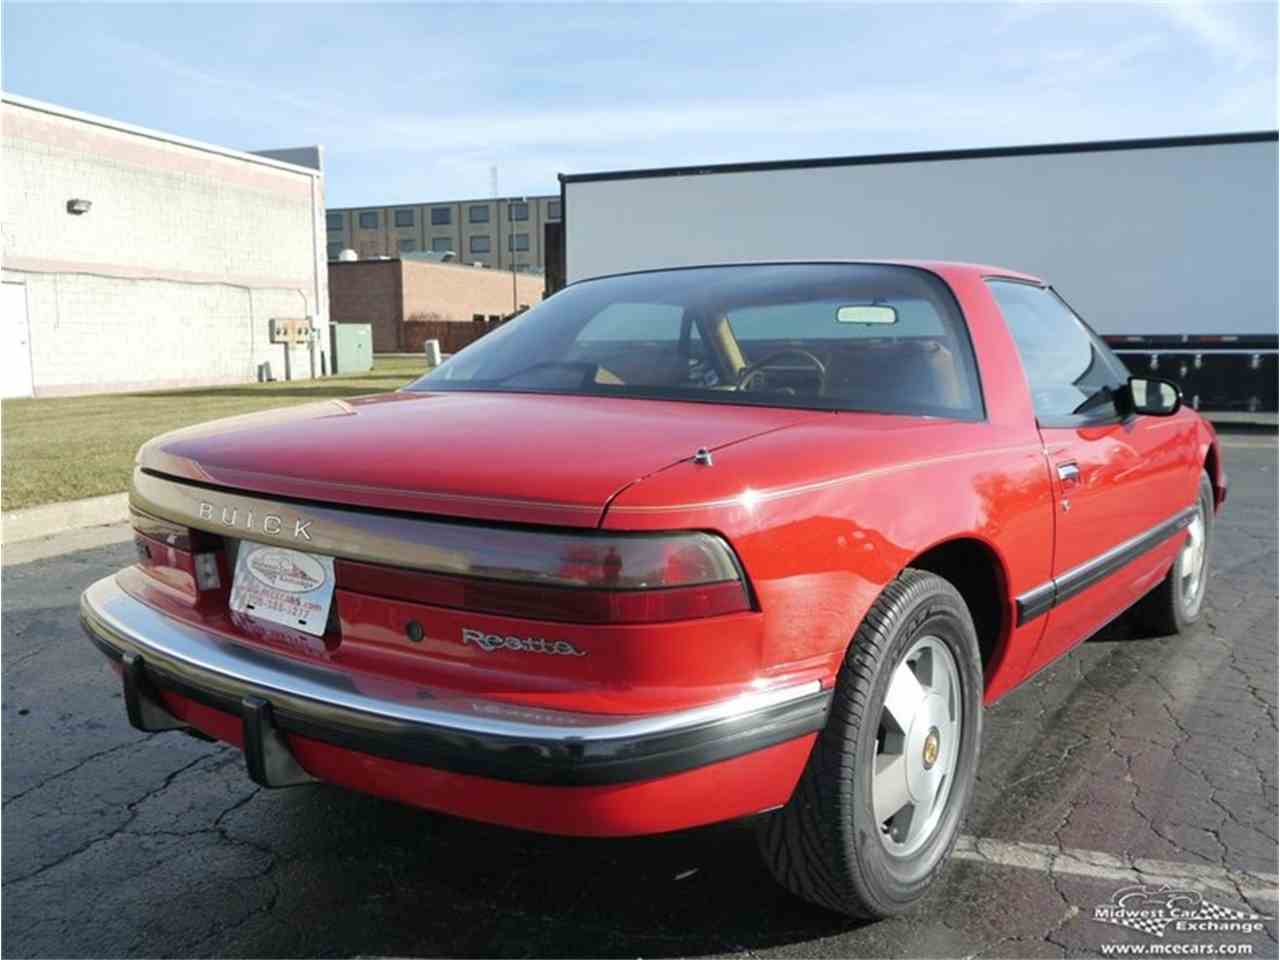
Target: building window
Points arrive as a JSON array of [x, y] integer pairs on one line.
[[441, 216], [553, 209], [519, 211], [479, 244], [333, 221], [478, 213], [518, 241], [369, 220], [334, 250], [404, 218], [442, 244], [408, 245]]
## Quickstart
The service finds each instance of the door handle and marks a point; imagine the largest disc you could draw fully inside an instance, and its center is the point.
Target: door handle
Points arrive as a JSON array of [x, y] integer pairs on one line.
[[1069, 473]]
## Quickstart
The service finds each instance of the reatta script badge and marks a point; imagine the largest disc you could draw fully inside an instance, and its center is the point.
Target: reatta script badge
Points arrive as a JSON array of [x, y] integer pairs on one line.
[[489, 642]]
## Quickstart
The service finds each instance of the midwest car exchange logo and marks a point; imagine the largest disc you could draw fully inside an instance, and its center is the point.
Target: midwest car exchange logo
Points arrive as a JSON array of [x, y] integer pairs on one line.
[[1155, 910]]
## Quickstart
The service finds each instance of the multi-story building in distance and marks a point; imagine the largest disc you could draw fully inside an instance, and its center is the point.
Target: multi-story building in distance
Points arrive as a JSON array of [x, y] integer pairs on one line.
[[498, 233]]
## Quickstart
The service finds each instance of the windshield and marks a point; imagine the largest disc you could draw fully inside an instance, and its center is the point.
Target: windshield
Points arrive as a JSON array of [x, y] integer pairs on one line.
[[866, 337]]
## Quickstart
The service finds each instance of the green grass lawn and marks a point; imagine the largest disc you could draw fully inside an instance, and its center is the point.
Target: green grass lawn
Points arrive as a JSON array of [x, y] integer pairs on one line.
[[65, 448]]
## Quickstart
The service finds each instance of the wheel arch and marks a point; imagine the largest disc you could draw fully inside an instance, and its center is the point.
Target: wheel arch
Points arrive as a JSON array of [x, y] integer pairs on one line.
[[976, 570], [1211, 465], [1211, 461]]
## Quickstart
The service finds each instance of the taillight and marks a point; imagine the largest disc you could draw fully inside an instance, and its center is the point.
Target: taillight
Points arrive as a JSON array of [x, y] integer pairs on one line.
[[170, 534], [190, 556], [587, 579], [643, 562]]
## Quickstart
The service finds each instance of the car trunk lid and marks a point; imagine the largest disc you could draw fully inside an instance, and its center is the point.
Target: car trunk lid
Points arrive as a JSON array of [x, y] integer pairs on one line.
[[523, 458]]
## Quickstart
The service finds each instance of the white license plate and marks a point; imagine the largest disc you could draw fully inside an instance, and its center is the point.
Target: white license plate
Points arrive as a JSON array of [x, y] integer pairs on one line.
[[283, 586]]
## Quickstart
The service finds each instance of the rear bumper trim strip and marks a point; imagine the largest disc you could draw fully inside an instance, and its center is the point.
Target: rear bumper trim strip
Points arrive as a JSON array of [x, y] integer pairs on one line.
[[414, 724]]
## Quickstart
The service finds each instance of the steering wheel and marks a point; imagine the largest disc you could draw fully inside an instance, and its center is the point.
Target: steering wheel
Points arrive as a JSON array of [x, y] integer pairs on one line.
[[751, 370]]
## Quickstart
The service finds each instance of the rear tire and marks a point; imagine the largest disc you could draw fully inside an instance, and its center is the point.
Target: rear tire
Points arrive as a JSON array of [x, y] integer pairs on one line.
[[832, 843], [1179, 599]]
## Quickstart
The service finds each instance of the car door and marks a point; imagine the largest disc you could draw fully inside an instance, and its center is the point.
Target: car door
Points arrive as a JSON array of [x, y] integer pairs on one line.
[[1118, 479]]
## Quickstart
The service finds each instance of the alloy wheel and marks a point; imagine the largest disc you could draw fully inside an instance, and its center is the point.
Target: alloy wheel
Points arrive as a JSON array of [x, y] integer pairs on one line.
[[917, 746], [1191, 561]]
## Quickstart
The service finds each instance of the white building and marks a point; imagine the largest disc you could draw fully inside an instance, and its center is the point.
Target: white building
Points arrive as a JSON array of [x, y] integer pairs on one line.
[[135, 259]]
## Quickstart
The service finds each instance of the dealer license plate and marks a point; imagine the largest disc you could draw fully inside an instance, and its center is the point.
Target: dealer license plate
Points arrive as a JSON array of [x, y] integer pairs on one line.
[[283, 586]]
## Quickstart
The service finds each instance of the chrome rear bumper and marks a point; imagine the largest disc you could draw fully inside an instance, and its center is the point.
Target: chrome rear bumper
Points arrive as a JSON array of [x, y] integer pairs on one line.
[[275, 695]]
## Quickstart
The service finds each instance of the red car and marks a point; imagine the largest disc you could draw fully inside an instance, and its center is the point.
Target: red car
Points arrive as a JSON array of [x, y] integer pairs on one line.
[[674, 547]]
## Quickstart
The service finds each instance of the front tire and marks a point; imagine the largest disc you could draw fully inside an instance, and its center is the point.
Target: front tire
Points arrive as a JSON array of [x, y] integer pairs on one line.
[[1177, 602], [879, 806]]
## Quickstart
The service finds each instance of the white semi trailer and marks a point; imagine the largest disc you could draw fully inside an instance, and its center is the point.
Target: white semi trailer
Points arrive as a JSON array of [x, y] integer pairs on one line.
[[1167, 247]]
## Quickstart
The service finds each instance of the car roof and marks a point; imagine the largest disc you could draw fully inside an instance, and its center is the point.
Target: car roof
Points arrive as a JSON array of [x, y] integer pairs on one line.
[[943, 268]]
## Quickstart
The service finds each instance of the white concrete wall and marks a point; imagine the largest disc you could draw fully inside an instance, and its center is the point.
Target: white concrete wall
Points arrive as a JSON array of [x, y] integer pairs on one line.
[[1143, 241], [174, 274]]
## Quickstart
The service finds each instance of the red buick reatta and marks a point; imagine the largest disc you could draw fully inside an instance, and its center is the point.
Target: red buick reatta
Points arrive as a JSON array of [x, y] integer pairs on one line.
[[674, 547]]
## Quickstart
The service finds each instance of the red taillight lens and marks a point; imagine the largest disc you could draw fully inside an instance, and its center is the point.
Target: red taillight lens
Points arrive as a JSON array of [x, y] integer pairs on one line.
[[170, 534], [565, 604], [177, 555], [639, 563], [604, 579]]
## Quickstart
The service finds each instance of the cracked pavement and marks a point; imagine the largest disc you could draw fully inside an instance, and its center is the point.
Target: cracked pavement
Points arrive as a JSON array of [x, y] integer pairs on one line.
[[1145, 751]]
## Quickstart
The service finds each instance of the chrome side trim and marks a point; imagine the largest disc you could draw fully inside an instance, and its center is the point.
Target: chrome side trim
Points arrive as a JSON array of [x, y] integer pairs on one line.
[[440, 728], [1046, 596]]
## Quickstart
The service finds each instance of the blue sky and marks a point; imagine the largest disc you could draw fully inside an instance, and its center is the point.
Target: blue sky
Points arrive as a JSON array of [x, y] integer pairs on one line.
[[417, 102]]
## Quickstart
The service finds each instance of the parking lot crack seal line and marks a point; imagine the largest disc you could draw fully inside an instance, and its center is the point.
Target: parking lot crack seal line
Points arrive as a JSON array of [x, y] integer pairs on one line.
[[131, 807], [73, 768]]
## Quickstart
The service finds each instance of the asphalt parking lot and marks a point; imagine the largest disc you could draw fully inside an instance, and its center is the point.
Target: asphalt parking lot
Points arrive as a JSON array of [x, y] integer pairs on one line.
[[1134, 760]]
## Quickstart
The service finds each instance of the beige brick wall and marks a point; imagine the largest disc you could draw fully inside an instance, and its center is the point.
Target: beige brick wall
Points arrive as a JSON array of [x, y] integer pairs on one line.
[[173, 275], [385, 293], [445, 291]]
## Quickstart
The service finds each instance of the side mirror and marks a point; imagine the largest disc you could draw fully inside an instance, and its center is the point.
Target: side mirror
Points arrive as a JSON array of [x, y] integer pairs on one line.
[[1153, 397]]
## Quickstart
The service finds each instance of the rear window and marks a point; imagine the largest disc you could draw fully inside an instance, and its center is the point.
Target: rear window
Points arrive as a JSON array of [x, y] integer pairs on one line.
[[865, 337]]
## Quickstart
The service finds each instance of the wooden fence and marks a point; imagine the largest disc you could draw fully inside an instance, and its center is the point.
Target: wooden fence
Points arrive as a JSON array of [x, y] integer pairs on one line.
[[453, 336]]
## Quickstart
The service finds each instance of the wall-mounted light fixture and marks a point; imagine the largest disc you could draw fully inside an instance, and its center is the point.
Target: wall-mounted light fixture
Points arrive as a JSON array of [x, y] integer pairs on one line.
[[78, 206]]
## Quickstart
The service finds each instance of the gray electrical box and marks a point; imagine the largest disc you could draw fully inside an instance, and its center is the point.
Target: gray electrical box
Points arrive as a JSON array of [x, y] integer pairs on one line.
[[352, 347]]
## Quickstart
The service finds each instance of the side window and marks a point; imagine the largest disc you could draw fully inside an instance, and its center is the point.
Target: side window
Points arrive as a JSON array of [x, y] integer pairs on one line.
[[1071, 372]]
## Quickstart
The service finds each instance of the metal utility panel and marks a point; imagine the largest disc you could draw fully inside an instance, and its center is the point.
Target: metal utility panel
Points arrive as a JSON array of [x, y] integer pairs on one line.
[[294, 332], [352, 347]]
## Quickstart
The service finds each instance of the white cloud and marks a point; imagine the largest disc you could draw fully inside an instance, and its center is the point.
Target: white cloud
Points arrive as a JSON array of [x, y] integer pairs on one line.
[[1217, 27]]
